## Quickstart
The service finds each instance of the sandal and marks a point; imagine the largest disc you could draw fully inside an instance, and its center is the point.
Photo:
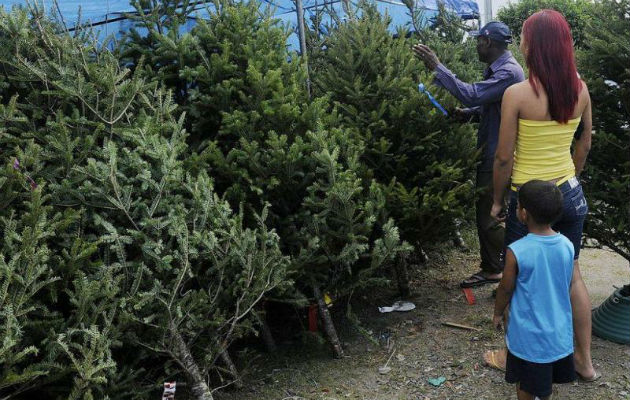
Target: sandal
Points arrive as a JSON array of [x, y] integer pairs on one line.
[[491, 357], [593, 378], [477, 280]]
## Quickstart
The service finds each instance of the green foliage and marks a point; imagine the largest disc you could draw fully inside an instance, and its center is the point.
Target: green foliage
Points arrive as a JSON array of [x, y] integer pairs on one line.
[[139, 266], [425, 159], [604, 63], [577, 12], [153, 195], [113, 248], [266, 142]]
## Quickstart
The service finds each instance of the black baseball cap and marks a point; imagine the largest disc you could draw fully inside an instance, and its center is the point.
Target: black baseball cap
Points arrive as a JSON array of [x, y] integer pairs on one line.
[[494, 30]]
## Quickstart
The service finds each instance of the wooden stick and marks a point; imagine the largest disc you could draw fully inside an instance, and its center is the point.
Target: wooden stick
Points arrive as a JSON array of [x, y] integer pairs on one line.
[[460, 326]]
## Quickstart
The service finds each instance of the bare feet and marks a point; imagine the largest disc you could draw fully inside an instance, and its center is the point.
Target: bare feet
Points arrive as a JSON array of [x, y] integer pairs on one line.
[[495, 359]]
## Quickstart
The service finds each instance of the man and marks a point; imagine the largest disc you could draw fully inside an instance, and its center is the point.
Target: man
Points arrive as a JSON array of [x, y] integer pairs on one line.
[[483, 99]]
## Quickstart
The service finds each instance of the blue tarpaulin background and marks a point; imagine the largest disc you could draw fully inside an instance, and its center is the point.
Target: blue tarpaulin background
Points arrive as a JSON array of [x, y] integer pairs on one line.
[[107, 13]]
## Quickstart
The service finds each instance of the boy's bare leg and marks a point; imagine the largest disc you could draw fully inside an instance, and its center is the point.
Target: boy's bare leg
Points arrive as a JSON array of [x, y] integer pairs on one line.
[[582, 325], [523, 395]]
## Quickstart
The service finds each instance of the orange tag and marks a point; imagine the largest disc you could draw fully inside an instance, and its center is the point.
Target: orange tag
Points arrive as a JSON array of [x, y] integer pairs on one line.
[[470, 297]]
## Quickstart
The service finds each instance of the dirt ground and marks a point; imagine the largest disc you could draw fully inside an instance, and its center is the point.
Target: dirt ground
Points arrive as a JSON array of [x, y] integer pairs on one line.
[[418, 347]]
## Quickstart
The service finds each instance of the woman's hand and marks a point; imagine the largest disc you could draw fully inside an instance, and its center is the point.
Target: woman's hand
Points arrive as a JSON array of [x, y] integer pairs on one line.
[[497, 212]]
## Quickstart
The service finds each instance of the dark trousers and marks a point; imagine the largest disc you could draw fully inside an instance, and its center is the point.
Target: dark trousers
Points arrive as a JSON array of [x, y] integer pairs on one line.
[[491, 233]]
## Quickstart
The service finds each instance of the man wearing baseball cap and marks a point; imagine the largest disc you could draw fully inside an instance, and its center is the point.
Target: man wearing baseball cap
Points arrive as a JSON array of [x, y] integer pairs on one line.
[[483, 100]]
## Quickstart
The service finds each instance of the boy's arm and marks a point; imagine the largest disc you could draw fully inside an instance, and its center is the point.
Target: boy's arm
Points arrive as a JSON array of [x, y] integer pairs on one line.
[[506, 287]]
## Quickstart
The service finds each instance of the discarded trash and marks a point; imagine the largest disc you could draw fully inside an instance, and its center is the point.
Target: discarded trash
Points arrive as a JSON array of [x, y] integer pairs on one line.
[[384, 369], [398, 306], [470, 297], [460, 326], [437, 381], [169, 390]]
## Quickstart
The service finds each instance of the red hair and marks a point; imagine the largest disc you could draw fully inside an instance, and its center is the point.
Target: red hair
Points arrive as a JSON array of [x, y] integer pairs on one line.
[[551, 60]]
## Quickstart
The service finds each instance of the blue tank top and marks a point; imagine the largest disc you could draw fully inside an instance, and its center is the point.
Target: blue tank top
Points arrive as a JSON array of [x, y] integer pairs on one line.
[[540, 326]]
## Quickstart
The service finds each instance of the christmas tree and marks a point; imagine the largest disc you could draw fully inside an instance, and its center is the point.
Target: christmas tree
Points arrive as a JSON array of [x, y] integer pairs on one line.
[[603, 63], [424, 158]]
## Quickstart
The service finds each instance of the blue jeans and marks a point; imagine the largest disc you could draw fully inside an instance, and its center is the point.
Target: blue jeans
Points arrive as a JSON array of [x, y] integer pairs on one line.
[[570, 223]]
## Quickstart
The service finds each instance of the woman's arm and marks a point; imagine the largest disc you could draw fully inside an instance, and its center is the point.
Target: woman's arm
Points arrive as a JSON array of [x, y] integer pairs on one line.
[[583, 143], [504, 156]]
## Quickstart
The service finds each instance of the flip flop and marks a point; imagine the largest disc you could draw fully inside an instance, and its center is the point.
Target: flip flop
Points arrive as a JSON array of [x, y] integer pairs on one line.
[[492, 360], [479, 280], [589, 380]]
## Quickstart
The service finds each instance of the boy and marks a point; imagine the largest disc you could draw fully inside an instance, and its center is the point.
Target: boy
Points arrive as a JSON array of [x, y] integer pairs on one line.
[[536, 282]]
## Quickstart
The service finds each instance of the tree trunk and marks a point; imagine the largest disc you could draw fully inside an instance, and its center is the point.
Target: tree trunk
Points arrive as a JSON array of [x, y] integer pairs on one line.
[[198, 385], [402, 275], [265, 332], [225, 356], [329, 327], [424, 257]]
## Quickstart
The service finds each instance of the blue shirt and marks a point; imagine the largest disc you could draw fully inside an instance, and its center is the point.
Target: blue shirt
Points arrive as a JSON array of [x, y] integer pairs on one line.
[[540, 325], [484, 98]]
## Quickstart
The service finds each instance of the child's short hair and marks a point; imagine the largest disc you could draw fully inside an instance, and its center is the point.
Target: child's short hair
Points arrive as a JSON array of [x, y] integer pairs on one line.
[[542, 200]]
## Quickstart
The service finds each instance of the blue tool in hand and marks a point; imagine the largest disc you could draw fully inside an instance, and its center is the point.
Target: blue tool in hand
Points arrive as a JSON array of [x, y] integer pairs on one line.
[[437, 105]]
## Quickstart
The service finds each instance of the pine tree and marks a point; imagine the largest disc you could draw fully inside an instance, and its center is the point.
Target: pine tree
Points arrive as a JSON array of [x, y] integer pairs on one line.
[[194, 272], [603, 63], [266, 142], [149, 266], [577, 12], [425, 159]]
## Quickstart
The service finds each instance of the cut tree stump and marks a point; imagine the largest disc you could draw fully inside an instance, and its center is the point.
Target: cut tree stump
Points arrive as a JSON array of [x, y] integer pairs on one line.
[[329, 327], [402, 275]]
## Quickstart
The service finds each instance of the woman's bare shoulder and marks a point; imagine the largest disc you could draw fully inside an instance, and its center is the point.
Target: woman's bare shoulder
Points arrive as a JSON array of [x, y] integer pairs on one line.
[[517, 90]]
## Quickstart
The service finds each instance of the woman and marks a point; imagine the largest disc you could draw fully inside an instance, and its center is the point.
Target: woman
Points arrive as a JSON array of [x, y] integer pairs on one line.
[[538, 119]]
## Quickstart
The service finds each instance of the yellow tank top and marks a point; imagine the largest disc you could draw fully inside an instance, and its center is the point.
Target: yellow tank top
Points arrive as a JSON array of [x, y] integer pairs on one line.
[[543, 151]]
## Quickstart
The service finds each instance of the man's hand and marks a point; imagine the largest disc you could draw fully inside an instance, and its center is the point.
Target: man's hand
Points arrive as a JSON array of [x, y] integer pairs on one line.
[[497, 212], [427, 55], [497, 322], [460, 115]]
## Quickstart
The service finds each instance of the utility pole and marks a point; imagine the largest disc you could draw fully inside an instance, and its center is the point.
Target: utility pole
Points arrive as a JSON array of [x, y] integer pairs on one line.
[[301, 33], [487, 11]]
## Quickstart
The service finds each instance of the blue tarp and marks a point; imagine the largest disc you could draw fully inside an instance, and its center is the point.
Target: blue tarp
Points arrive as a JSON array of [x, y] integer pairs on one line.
[[107, 13]]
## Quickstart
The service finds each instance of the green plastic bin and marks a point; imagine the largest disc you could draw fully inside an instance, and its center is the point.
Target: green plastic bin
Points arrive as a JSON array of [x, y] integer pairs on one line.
[[611, 320]]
